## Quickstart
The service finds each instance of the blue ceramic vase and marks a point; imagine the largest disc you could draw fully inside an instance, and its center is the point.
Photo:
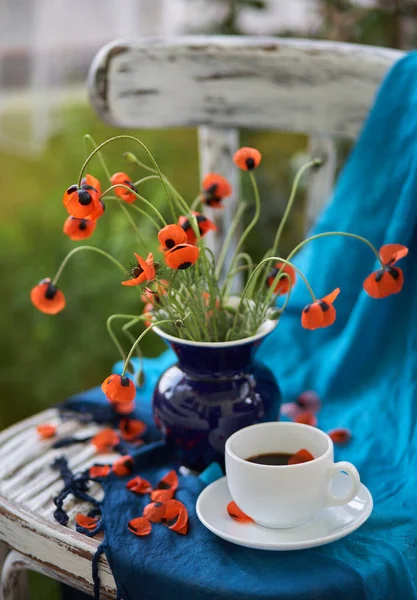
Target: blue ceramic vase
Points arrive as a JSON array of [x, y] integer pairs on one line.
[[214, 390]]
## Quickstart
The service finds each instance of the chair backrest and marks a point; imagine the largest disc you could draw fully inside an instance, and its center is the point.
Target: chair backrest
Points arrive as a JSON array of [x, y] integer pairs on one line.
[[221, 84]]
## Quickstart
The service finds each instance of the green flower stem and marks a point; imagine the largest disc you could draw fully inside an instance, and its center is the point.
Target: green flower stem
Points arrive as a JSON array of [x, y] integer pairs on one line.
[[80, 249], [113, 335], [249, 265], [139, 339], [149, 153], [271, 293], [197, 200], [149, 204], [94, 144], [312, 163], [223, 253], [140, 376], [256, 215]]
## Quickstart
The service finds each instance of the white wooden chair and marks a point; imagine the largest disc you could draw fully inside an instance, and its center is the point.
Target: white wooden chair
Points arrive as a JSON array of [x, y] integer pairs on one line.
[[219, 85]]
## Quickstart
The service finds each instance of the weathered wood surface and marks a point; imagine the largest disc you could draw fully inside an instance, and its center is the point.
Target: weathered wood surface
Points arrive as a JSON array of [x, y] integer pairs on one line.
[[306, 86], [27, 488], [13, 578]]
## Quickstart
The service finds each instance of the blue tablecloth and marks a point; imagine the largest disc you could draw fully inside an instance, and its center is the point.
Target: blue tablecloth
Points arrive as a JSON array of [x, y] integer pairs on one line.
[[364, 368]]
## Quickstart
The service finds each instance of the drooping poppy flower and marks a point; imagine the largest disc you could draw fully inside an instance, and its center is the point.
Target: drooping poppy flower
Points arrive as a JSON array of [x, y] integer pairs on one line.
[[82, 201], [340, 435], [123, 466], [143, 271], [306, 417], [140, 526], [247, 158], [105, 440], [321, 313], [215, 188], [78, 229], [301, 456], [166, 488], [154, 294], [131, 429], [176, 517], [97, 471], [309, 400], [47, 297], [182, 257], [97, 212], [283, 285], [46, 431], [171, 236], [155, 511], [118, 389], [123, 193], [138, 485], [388, 280], [237, 514], [204, 226], [86, 522]]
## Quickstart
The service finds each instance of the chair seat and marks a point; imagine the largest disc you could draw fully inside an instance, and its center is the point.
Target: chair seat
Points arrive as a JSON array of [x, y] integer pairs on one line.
[[28, 485]]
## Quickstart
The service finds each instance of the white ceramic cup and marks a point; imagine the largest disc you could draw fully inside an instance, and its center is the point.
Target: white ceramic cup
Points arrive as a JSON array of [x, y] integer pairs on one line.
[[288, 495]]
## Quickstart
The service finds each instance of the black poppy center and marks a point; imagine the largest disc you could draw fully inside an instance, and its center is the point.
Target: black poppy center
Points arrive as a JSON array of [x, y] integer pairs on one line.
[[50, 292], [124, 381], [169, 243], [82, 225], [185, 265], [394, 272], [171, 522], [137, 271], [250, 163], [84, 197], [307, 308], [324, 306], [72, 189]]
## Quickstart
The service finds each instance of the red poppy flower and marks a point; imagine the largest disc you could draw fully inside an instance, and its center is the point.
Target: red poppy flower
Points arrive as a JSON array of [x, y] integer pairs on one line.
[[283, 284], [182, 257], [306, 417], [118, 389], [124, 408], [123, 193], [123, 466], [388, 280], [105, 440], [130, 429], [138, 485], [301, 456], [166, 488], [47, 297], [171, 236], [143, 271], [155, 511], [215, 188], [46, 431], [204, 226], [140, 526], [79, 229], [321, 313], [153, 296], [247, 158], [82, 201], [237, 514], [86, 522], [97, 471], [97, 212], [176, 517], [340, 435]]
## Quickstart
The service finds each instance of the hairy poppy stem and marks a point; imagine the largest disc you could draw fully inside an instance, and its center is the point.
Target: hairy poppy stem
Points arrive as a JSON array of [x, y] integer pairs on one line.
[[149, 153], [113, 335], [223, 252], [139, 339], [82, 248], [126, 187]]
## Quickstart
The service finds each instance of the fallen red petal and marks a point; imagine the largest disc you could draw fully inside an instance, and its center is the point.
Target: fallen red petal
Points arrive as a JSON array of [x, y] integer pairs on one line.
[[302, 456], [237, 514], [306, 417], [123, 466], [99, 471], [86, 522], [105, 440], [155, 511], [340, 435], [162, 495], [138, 485], [140, 526], [176, 517], [46, 431]]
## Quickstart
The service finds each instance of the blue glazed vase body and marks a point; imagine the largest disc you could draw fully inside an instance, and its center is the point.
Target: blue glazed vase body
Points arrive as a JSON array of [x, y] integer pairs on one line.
[[211, 392]]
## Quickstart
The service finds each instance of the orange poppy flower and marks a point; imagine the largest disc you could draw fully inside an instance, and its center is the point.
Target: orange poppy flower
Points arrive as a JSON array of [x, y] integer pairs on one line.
[[97, 471], [301, 456], [130, 429], [86, 522], [143, 271], [140, 526], [166, 488], [105, 440], [124, 408], [79, 229], [204, 226], [118, 389], [237, 514], [182, 257], [340, 435], [97, 212], [171, 236], [123, 193], [82, 201], [155, 511], [215, 188], [247, 158], [388, 280], [283, 284], [138, 485], [321, 313], [306, 417], [176, 517], [46, 431], [47, 297], [123, 466]]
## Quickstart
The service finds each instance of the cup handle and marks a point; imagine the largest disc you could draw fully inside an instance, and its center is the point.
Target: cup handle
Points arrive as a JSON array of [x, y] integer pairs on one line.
[[355, 480]]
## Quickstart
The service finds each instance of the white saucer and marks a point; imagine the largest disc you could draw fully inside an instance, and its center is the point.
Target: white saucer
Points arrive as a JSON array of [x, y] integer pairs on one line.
[[329, 525]]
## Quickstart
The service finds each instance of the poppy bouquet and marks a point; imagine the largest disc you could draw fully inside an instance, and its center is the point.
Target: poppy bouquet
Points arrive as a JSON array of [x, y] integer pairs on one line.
[[182, 290]]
